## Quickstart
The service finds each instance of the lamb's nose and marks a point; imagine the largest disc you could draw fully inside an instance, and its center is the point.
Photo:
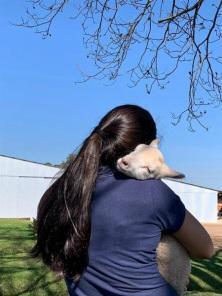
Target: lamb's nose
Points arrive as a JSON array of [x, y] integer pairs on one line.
[[125, 162]]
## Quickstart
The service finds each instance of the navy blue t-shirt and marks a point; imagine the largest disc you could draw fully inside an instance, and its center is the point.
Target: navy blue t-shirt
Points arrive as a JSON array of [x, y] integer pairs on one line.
[[127, 218]]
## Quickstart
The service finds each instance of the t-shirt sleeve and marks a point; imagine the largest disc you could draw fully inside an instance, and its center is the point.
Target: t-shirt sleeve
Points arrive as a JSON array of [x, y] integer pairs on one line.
[[169, 209]]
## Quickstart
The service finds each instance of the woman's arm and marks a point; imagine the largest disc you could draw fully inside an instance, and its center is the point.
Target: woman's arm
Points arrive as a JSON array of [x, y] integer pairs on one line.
[[193, 236]]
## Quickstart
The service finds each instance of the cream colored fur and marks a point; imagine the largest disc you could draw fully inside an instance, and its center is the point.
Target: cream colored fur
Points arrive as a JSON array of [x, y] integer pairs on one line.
[[173, 263], [146, 162]]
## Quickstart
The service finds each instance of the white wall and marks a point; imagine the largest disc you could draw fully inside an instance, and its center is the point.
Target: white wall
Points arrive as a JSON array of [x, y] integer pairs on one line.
[[201, 202], [17, 167], [22, 184]]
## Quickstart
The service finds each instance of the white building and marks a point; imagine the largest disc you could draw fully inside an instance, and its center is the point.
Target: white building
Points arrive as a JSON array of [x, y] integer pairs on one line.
[[22, 183], [200, 201]]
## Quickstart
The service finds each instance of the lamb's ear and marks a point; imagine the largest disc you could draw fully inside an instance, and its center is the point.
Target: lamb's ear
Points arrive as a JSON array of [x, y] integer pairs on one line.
[[155, 143], [140, 147], [166, 171]]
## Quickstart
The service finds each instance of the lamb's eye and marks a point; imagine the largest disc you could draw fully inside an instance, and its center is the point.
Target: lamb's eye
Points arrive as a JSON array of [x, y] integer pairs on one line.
[[150, 170]]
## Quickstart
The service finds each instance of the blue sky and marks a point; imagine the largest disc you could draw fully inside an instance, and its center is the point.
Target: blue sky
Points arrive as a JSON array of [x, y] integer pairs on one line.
[[44, 115]]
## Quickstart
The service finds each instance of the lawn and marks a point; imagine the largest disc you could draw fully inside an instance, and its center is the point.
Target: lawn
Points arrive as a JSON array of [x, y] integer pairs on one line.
[[21, 275]]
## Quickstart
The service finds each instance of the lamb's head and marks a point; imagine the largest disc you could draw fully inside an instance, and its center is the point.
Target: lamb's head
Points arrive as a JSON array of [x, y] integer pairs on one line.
[[146, 162]]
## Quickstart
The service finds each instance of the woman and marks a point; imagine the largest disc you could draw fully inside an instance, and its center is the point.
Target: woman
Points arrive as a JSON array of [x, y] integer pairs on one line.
[[101, 228]]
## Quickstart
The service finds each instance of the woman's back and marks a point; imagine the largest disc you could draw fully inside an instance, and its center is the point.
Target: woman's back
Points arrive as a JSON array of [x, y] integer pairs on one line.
[[127, 217]]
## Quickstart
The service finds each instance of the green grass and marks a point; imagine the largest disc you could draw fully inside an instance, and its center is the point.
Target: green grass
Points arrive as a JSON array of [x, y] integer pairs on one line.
[[21, 275], [206, 276]]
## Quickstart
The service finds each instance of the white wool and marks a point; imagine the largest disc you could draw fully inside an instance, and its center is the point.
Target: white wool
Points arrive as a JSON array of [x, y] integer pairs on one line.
[[173, 263]]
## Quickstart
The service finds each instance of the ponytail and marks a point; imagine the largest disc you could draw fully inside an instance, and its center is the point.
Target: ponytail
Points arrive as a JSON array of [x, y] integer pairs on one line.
[[63, 216]]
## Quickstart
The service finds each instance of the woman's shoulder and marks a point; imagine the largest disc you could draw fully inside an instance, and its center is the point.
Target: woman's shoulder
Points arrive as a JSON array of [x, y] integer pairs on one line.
[[150, 184], [158, 184], [160, 192], [160, 189], [147, 186]]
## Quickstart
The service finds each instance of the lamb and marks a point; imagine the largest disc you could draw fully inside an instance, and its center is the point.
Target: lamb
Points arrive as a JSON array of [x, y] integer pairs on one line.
[[146, 162]]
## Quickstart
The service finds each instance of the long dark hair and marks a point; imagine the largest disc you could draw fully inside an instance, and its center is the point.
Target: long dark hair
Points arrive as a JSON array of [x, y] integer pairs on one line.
[[63, 216]]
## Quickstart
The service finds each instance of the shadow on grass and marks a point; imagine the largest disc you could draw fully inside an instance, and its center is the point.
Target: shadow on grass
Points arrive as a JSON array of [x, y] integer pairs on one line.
[[206, 274], [20, 274]]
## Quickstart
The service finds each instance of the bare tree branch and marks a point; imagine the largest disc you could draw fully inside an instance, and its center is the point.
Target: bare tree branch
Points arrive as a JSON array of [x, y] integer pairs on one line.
[[184, 11], [156, 37]]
